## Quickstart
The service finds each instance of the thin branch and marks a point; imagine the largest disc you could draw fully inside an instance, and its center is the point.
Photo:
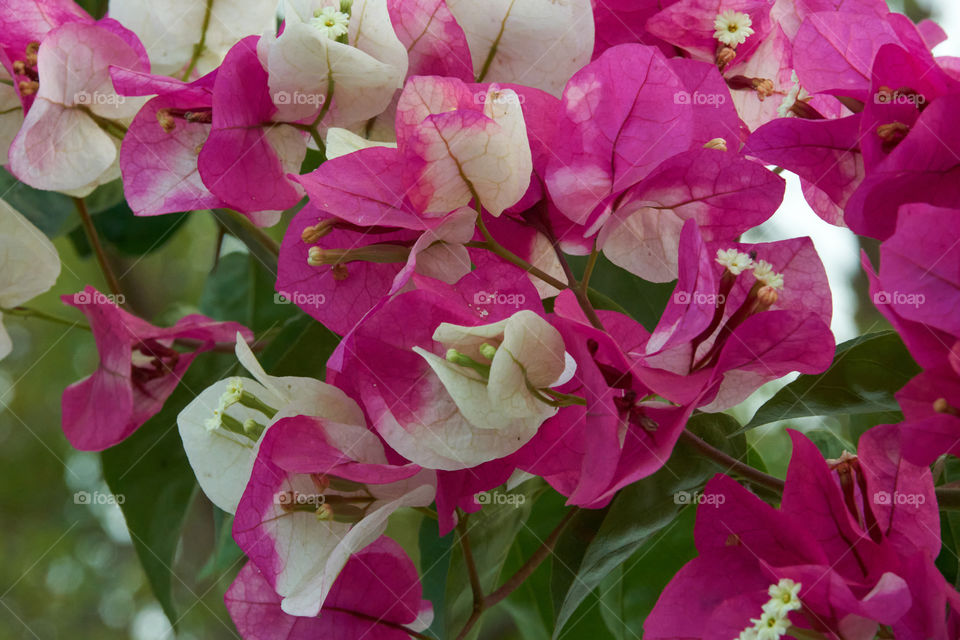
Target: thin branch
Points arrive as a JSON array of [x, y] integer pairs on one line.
[[745, 470], [112, 283]]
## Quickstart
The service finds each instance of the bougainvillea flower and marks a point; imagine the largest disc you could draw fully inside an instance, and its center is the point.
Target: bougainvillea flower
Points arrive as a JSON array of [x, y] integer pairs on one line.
[[458, 142], [824, 153], [917, 290], [539, 44], [435, 42], [222, 427], [692, 25], [740, 316], [855, 539], [923, 167], [337, 271], [435, 418], [69, 140], [158, 157], [623, 114], [313, 72], [140, 366], [172, 31], [320, 492], [588, 452], [248, 154], [725, 193], [30, 262], [377, 596]]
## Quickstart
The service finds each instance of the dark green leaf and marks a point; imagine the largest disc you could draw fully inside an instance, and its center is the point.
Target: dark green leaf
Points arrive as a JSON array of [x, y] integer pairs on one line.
[[830, 444], [616, 289], [300, 349], [226, 553], [865, 374], [50, 212], [434, 565], [150, 470], [600, 541], [240, 289], [491, 532]]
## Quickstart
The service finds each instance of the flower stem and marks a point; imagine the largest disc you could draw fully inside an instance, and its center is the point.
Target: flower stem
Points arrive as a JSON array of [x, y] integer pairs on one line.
[[200, 46], [757, 476], [498, 249], [42, 315], [112, 282]]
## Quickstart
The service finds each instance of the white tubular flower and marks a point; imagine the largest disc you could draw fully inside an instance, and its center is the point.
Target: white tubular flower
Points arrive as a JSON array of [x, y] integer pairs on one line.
[[736, 262], [784, 598], [795, 93], [770, 627], [763, 271], [733, 28], [330, 22]]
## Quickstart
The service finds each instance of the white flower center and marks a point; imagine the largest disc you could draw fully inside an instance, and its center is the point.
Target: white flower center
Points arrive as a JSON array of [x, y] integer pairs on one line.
[[732, 28], [773, 623], [763, 271], [734, 261], [330, 22]]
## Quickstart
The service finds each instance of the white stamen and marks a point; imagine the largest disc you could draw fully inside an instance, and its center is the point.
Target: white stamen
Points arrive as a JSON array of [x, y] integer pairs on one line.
[[734, 261], [763, 271], [732, 28]]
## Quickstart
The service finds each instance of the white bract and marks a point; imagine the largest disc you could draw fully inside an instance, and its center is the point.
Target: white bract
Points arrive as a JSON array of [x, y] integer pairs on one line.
[[492, 376], [222, 459], [170, 30], [310, 67], [29, 264]]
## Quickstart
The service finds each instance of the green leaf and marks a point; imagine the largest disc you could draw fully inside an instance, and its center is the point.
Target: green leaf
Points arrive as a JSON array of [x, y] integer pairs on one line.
[[435, 555], [830, 444], [150, 470], [865, 374], [616, 289], [240, 289], [226, 553], [597, 542], [491, 532], [48, 211], [300, 349]]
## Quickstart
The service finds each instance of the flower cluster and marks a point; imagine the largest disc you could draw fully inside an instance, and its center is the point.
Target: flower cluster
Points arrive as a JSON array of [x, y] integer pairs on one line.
[[435, 169]]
